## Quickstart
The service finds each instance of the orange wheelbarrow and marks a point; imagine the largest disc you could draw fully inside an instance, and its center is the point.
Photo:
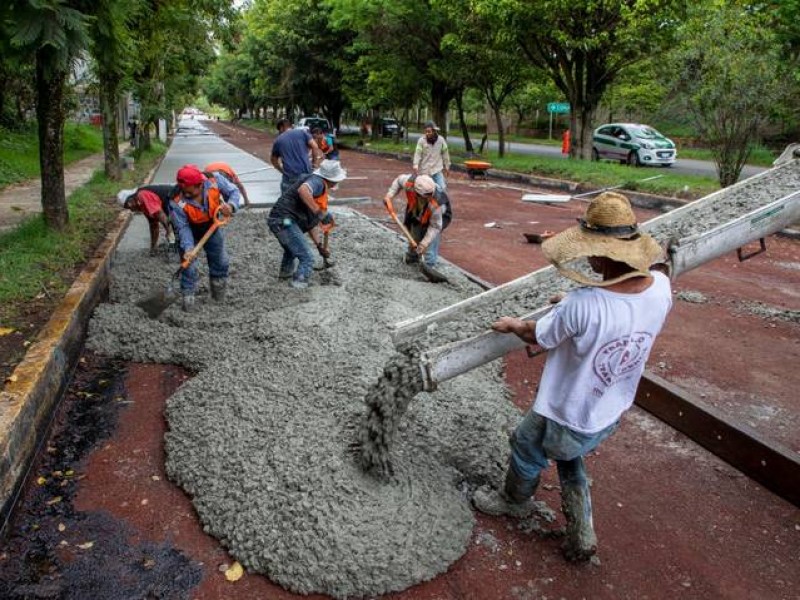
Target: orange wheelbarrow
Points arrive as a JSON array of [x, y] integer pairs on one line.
[[477, 168]]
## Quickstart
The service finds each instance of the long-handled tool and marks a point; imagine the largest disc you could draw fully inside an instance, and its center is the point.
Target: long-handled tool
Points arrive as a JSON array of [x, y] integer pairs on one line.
[[160, 300], [430, 273]]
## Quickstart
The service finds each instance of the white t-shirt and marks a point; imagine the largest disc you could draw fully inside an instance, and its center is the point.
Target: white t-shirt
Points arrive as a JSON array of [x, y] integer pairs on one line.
[[598, 342]]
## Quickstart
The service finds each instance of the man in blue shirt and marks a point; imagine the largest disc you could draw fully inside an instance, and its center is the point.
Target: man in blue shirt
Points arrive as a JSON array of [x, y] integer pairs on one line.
[[290, 153]]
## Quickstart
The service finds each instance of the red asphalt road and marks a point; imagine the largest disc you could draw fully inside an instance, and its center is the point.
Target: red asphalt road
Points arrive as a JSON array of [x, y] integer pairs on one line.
[[672, 520]]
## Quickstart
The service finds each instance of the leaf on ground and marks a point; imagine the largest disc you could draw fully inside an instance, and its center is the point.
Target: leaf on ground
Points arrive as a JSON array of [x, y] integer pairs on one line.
[[55, 500], [235, 572], [86, 545], [41, 481], [6, 330]]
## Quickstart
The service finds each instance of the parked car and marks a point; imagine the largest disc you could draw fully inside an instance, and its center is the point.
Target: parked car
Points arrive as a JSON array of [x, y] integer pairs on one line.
[[633, 144], [390, 127], [310, 123]]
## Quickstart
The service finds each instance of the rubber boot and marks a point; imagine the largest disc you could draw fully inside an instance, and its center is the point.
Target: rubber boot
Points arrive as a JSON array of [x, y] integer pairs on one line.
[[188, 302], [581, 541], [515, 500], [219, 288]]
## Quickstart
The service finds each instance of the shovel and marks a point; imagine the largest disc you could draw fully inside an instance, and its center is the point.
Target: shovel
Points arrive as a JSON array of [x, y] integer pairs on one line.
[[430, 273], [160, 300]]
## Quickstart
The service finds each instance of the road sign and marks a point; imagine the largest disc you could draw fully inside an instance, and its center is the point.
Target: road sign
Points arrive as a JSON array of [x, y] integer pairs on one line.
[[560, 108]]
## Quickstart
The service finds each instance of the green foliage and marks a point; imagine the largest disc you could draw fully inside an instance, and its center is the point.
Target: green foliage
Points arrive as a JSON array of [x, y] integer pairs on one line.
[[34, 258], [728, 78], [19, 150]]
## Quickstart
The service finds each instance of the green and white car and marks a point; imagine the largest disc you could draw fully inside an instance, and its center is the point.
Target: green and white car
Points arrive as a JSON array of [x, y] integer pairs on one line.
[[633, 144]]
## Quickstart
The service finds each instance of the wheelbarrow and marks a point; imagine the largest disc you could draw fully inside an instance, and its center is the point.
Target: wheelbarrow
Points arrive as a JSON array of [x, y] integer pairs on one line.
[[477, 168]]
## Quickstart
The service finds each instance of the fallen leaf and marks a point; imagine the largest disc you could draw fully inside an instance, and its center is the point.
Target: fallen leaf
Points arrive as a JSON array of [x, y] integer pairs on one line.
[[11, 379], [86, 545], [235, 572], [6, 330], [41, 481], [155, 478], [55, 500], [61, 527]]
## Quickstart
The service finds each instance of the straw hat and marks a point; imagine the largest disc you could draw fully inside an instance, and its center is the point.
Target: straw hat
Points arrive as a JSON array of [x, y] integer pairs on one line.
[[331, 170], [607, 229]]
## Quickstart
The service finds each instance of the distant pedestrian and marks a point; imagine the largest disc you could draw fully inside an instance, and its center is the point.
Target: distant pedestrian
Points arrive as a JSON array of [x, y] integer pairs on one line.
[[192, 211], [427, 215], [153, 202], [290, 153], [432, 157], [303, 209], [230, 174], [598, 339]]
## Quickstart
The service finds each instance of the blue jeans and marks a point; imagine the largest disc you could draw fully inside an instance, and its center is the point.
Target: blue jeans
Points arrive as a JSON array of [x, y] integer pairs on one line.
[[417, 232], [294, 245], [538, 439], [438, 178], [217, 259]]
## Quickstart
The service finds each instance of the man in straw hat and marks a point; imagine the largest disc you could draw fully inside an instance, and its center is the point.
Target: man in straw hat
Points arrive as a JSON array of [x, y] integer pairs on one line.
[[598, 339], [302, 209]]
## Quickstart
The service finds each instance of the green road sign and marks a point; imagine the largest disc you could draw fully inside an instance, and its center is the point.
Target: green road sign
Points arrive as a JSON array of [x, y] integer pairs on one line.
[[558, 107]]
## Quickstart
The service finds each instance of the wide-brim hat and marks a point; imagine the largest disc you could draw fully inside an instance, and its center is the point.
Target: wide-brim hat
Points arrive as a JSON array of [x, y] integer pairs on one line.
[[607, 229], [331, 170], [123, 196]]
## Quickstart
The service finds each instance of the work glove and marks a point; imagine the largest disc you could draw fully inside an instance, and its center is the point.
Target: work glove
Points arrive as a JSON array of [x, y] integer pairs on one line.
[[326, 218], [421, 248], [323, 252]]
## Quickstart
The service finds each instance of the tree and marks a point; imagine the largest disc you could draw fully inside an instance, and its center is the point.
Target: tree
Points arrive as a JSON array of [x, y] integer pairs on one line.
[[54, 32], [403, 39], [583, 45], [728, 78]]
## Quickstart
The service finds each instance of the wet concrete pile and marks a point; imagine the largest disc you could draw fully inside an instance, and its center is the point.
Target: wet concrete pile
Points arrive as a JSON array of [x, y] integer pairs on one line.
[[262, 436]]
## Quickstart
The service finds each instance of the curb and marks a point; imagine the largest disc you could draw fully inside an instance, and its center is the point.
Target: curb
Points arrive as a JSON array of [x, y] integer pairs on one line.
[[36, 385]]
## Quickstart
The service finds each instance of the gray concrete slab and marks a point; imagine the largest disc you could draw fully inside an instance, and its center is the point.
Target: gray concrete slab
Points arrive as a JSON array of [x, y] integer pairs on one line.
[[195, 144]]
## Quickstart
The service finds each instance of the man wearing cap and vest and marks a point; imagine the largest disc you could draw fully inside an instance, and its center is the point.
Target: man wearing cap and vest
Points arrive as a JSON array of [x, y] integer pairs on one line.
[[427, 215], [431, 156], [230, 175], [153, 202], [192, 212], [598, 339], [302, 209]]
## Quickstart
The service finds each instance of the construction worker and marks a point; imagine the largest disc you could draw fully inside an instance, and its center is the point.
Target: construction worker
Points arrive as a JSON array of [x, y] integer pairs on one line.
[[431, 156], [326, 143], [192, 212], [230, 175], [427, 215], [290, 153], [153, 202], [598, 339], [303, 209]]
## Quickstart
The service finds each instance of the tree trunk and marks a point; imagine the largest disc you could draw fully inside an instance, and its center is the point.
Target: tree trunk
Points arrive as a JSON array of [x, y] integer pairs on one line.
[[50, 81], [463, 122], [501, 134], [581, 130], [108, 106], [144, 136], [441, 95]]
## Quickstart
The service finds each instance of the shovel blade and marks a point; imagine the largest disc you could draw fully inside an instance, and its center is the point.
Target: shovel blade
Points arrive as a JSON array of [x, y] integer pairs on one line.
[[432, 274], [158, 302]]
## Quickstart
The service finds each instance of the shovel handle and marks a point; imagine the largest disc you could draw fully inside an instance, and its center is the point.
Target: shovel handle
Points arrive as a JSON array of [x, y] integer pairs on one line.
[[402, 227], [220, 220]]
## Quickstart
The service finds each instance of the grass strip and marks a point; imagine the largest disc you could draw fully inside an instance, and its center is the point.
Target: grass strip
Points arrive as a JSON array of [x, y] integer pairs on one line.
[[38, 263], [19, 150]]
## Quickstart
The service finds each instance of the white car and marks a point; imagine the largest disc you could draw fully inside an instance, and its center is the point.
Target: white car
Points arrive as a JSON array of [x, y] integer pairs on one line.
[[633, 144], [309, 123]]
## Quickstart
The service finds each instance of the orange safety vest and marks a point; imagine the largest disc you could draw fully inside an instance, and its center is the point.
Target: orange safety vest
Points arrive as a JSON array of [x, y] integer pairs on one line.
[[413, 210], [196, 214], [224, 168]]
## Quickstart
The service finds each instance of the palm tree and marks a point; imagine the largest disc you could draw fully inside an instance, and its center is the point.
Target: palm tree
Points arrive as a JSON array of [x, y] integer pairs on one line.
[[55, 33]]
